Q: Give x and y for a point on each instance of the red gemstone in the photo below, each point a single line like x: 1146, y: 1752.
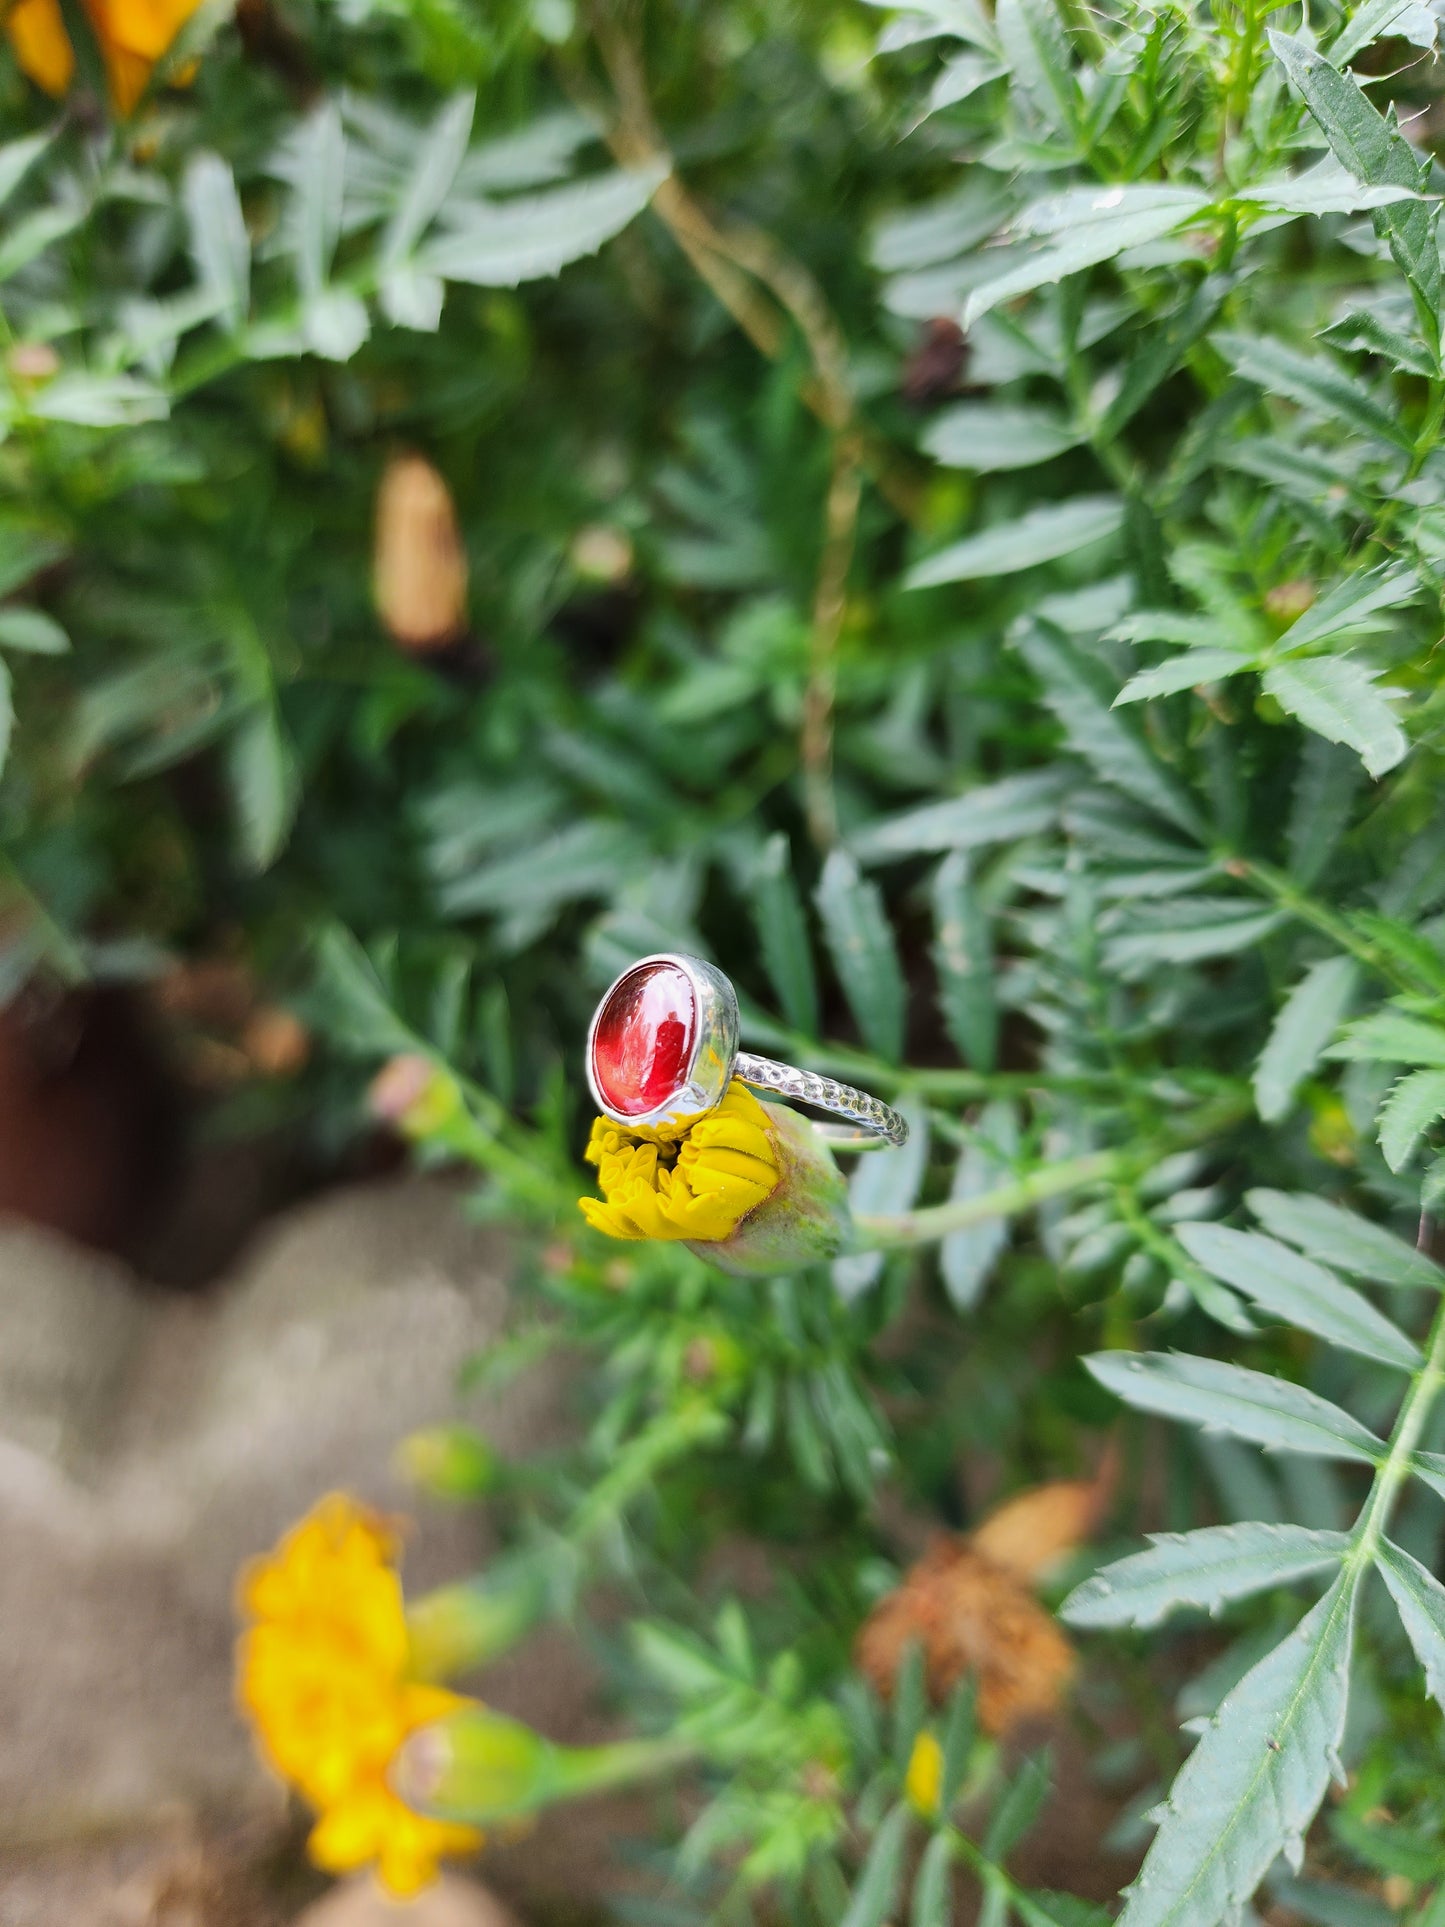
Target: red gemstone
x: 642, y: 1045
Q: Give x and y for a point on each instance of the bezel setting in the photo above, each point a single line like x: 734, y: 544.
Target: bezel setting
x: 709, y: 1066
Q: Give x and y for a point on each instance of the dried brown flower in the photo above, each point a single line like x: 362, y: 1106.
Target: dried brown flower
x: 420, y: 564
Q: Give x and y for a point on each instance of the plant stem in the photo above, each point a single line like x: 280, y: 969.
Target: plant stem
x: 1273, y: 883
x: 1006, y: 1201
x: 1394, y: 1468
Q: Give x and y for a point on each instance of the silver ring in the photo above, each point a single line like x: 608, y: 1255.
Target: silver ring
x: 662, y: 1049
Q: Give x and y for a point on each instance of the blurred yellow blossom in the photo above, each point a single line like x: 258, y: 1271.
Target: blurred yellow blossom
x: 923, y: 1783
x: 132, y: 35
x: 324, y: 1675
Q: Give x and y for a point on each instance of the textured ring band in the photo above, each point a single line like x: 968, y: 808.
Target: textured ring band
x: 663, y: 1048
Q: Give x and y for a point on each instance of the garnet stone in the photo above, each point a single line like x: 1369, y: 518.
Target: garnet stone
x: 642, y: 1046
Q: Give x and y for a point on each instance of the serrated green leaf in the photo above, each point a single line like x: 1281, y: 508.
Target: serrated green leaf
x: 1373, y: 151
x: 961, y: 77
x: 220, y: 246
x: 438, y: 157
x: 1342, y: 1239
x: 1157, y: 349
x: 1111, y: 221
x: 1420, y: 1600
x: 966, y: 1258
x: 1195, y: 666
x: 1227, y: 1398
x: 1304, y: 1025
x: 1032, y: 37
x: 532, y: 236
x: 1041, y: 535
x: 1361, y: 330
x: 885, y: 1183
x: 1315, y: 382
x: 1253, y: 1783
x: 1002, y: 812
x: 1338, y: 699
x: 864, y: 952
x: 877, y: 1887
x: 359, y: 1013
x: 986, y: 436
x: 1378, y: 18
x: 1430, y: 1467
x: 1299, y: 1291
x: 1351, y: 608
x: 335, y: 323
x: 1326, y: 188
x: 1080, y: 692
x: 963, y: 957
x: 1390, y: 1037
x: 1200, y: 1570
x: 27, y: 239
x: 1193, y: 931
x: 1414, y: 1104
x: 783, y: 935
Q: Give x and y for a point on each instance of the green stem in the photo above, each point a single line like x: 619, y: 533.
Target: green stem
x: 1394, y: 1468
x: 936, y: 1221
x: 1275, y: 884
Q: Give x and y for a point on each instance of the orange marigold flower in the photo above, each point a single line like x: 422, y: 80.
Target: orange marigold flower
x: 324, y: 1675
x: 132, y: 34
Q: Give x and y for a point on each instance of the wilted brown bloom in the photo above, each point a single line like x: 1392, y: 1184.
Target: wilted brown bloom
x: 970, y: 1616
x: 966, y: 1603
x: 420, y: 564
x: 275, y: 1041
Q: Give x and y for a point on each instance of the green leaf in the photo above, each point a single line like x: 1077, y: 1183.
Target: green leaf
x: 1042, y: 1909
x: 783, y: 935
x: 98, y: 401
x: 1351, y: 608
x: 1040, y: 535
x: 430, y: 180
x: 1109, y: 221
x: 1430, y: 1466
x: 1415, y: 1103
x: 877, y: 1888
x: 986, y: 436
x: 1080, y: 692
x: 335, y: 324
x: 1304, y: 1025
x: 1363, y: 331
x: 531, y: 236
x: 1299, y: 1291
x: 264, y: 785
x: 18, y: 157
x: 1420, y: 1600
x: 30, y: 237
x: 1195, y: 666
x: 1337, y: 697
x: 885, y: 1183
x: 1200, y: 1570
x: 1253, y: 1783
x: 318, y: 180
x: 1405, y: 19
x: 961, y: 77
x: 1326, y: 188
x: 1033, y: 42
x: 1374, y: 151
x: 359, y: 1012
x: 861, y: 943
x: 1390, y: 1037
x: 967, y: 1257
x: 220, y: 246
x: 1341, y: 1239
x: 963, y: 957
x: 1194, y: 930
x: 1227, y: 1398
x: 32, y: 631
x: 932, y: 1894
x: 412, y: 300
x: 1002, y: 812
x: 959, y: 1734
x: 1157, y: 349
x: 1316, y: 383
x: 1019, y: 1807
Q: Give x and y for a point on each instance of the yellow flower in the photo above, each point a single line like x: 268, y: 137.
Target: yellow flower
x: 698, y: 1184
x: 324, y: 1675
x: 132, y: 35
x: 923, y: 1782
x: 750, y: 1186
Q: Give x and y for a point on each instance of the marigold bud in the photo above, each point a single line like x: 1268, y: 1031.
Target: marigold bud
x: 751, y: 1187
x: 413, y: 1094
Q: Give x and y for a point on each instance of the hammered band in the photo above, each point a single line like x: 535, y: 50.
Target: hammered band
x: 873, y: 1122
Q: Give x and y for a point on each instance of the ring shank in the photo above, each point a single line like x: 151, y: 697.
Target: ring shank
x: 873, y: 1123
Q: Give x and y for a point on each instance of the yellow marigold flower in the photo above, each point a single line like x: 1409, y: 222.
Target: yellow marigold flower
x: 923, y: 1783
x: 324, y: 1675
x: 751, y: 1186
x: 132, y: 34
